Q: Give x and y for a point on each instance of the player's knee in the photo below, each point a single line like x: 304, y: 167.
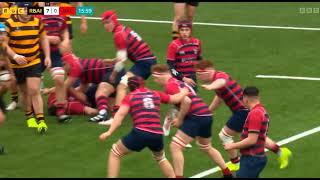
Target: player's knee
x: 123, y: 81
x: 204, y: 147
x: 177, y: 143
x: 116, y: 151
x: 33, y: 91
x: 225, y: 138
x: 57, y: 74
x: 161, y: 157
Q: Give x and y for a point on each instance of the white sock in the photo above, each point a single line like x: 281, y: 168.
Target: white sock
x: 102, y: 111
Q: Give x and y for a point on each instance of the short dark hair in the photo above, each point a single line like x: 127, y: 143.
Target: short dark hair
x: 251, y: 91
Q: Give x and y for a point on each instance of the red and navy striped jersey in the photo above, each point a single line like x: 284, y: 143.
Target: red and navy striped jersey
x: 256, y: 122
x: 232, y: 93
x: 145, y: 109
x: 89, y: 70
x: 198, y: 107
x: 54, y: 26
x: 185, y: 55
x: 126, y: 39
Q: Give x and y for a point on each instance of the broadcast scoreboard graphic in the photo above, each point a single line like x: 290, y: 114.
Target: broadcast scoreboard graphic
x: 51, y: 10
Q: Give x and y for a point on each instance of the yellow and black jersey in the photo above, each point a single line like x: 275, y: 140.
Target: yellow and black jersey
x: 24, y: 39
x: 4, y: 17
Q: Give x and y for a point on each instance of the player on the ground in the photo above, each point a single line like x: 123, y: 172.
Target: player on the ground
x: 182, y: 9
x: 183, y: 53
x: 253, y: 137
x: 229, y: 91
x: 96, y: 71
x: 194, y: 121
x: 57, y: 34
x: 72, y: 107
x: 143, y: 105
x: 129, y: 45
x: 25, y: 36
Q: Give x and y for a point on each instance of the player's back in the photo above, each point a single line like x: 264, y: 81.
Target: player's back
x: 232, y: 93
x: 198, y: 106
x: 145, y: 110
x: 53, y: 24
x: 137, y: 49
x: 93, y: 70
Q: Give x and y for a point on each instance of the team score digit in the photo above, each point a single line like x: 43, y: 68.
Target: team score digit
x: 148, y: 103
x: 134, y: 34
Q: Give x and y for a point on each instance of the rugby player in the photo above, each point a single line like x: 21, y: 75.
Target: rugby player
x: 143, y: 105
x: 194, y: 121
x: 229, y: 91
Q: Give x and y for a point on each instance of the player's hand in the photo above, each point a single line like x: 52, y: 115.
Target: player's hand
x: 47, y: 62
x: 104, y: 136
x: 228, y: 146
x: 189, y: 81
x: 83, y: 27
x: 176, y: 122
x: 185, y: 91
x: 21, y: 60
x: 54, y: 39
x: 206, y: 87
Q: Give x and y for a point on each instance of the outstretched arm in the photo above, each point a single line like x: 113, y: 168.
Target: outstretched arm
x: 118, y: 118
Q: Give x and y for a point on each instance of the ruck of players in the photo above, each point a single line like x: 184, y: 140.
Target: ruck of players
x: 106, y: 90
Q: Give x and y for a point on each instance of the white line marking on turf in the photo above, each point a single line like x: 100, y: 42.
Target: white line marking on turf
x: 280, y: 143
x: 288, y: 77
x: 211, y: 24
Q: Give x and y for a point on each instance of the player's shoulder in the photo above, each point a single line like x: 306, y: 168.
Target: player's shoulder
x: 221, y: 74
x: 195, y: 40
x: 175, y: 43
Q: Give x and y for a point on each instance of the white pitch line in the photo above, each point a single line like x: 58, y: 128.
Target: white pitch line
x: 280, y: 143
x: 288, y: 77
x: 211, y: 24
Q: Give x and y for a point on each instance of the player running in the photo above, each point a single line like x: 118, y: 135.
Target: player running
x: 143, y: 105
x: 91, y: 71
x: 194, y: 121
x: 129, y: 45
x: 229, y: 91
x: 253, y: 137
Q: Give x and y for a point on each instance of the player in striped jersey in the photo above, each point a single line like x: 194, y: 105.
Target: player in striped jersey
x: 129, y: 45
x: 143, y: 105
x: 26, y: 34
x: 194, y: 121
x: 253, y: 137
x: 12, y: 82
x: 57, y: 34
x: 229, y: 91
x: 183, y: 53
x: 95, y: 71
